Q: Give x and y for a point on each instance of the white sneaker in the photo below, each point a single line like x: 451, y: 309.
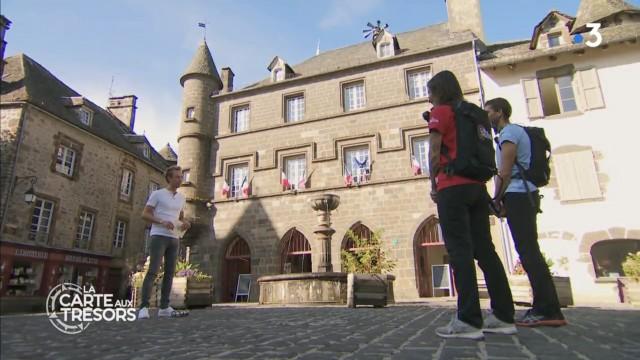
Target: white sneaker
x: 168, y: 312
x: 493, y: 325
x: 143, y: 313
x: 459, y: 329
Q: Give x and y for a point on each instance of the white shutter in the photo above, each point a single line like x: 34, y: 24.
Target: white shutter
x: 586, y: 175
x: 576, y: 175
x: 566, y: 176
x: 532, y: 98
x: 590, y: 88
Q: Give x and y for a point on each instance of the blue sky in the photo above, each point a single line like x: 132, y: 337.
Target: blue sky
x: 145, y: 45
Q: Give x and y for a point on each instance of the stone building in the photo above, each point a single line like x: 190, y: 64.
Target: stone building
x: 346, y: 121
x: 584, y: 99
x: 91, y: 174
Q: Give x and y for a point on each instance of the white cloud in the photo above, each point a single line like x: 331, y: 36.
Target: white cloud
x: 344, y: 12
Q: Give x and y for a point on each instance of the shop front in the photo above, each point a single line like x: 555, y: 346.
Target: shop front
x: 28, y: 273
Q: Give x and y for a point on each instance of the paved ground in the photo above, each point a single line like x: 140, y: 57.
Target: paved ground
x: 252, y: 332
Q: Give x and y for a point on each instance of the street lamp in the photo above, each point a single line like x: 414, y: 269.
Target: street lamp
x: 29, y: 195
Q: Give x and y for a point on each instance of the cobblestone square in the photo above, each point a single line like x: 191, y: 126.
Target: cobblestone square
x: 253, y: 332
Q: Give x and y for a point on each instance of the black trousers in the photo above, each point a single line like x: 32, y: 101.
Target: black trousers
x: 464, y: 219
x: 521, y: 217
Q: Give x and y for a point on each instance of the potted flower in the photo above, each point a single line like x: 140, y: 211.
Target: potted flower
x: 367, y: 265
x: 191, y: 287
x: 521, y: 287
x: 629, y: 285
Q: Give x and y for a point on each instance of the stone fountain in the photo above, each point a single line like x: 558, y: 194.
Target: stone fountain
x: 322, y: 287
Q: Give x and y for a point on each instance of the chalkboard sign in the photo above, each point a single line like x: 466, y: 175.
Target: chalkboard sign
x: 440, y: 277
x: 244, y: 286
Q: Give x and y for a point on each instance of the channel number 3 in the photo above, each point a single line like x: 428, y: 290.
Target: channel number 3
x: 595, y: 27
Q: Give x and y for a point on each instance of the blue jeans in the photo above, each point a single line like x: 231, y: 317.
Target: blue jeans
x: 161, y: 246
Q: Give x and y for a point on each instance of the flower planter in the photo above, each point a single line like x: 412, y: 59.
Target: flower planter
x: 629, y: 290
x: 191, y: 292
x: 369, y: 289
x: 153, y: 299
x: 523, y: 294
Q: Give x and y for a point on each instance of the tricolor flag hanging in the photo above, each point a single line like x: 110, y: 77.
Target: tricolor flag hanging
x: 225, y: 189
x: 348, y: 178
x: 363, y: 169
x: 415, y: 165
x: 302, y: 183
x: 284, y: 181
x: 245, y: 187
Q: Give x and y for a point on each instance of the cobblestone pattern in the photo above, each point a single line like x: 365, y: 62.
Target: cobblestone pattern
x: 397, y: 332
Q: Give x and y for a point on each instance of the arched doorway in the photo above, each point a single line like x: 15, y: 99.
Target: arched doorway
x: 295, y: 253
x: 608, y: 256
x: 360, y: 230
x: 237, y: 260
x: 429, y: 250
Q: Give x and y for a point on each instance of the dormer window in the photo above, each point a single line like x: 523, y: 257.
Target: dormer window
x: 146, y: 151
x: 278, y: 75
x: 85, y: 116
x: 554, y: 40
x: 385, y: 50
x: 279, y: 69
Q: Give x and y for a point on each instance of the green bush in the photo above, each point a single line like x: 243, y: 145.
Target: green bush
x: 369, y: 256
x: 631, y: 266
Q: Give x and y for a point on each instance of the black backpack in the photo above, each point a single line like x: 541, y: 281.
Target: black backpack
x: 539, y: 170
x: 475, y: 155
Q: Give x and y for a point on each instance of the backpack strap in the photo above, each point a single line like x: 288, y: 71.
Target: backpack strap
x: 521, y: 171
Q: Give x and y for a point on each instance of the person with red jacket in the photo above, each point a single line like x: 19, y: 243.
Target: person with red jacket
x: 463, y: 209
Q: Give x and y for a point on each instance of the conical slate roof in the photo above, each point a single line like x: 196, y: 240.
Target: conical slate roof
x: 591, y: 11
x: 168, y: 154
x: 203, y: 64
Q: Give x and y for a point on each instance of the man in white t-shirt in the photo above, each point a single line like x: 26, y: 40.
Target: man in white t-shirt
x: 164, y: 210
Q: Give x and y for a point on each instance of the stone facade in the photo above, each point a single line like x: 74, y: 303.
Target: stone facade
x: 394, y: 200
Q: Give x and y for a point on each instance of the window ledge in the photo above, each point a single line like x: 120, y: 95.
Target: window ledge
x: 606, y: 280
x: 191, y: 120
x: 565, y: 115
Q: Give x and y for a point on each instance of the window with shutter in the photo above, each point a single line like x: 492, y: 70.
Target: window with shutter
x: 532, y: 97
x: 576, y: 175
x: 591, y: 91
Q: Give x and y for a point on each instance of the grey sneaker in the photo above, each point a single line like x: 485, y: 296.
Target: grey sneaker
x: 459, y: 329
x: 493, y: 325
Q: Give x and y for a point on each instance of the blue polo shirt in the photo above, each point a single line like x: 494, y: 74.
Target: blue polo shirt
x: 518, y: 136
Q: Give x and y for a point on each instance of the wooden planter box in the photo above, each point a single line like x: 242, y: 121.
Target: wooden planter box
x: 369, y: 289
x: 153, y: 299
x: 191, y: 293
x: 523, y: 295
x: 629, y: 290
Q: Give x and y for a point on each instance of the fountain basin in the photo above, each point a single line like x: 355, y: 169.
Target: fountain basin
x: 305, y: 288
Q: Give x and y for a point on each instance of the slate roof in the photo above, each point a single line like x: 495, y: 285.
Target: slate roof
x: 591, y: 11
x: 202, y: 63
x: 427, y: 38
x: 519, y: 51
x: 26, y: 80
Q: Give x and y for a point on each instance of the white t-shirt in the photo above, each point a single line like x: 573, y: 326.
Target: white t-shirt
x: 167, y: 207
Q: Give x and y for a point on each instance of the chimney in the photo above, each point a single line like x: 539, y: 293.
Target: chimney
x: 4, y: 25
x: 465, y: 15
x: 227, y: 80
x: 124, y: 108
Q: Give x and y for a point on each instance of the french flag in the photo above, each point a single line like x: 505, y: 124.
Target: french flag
x: 415, y: 165
x: 225, y: 189
x: 284, y: 181
x: 348, y: 178
x: 302, y: 184
x: 245, y: 187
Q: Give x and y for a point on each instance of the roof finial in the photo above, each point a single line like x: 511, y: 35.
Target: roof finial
x: 318, y: 48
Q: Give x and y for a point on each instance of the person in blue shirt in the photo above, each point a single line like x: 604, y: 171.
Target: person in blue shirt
x: 519, y: 200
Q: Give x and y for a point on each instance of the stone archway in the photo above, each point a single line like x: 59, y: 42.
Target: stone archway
x: 295, y: 253
x: 608, y: 255
x: 429, y: 250
x: 360, y: 230
x: 237, y: 260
